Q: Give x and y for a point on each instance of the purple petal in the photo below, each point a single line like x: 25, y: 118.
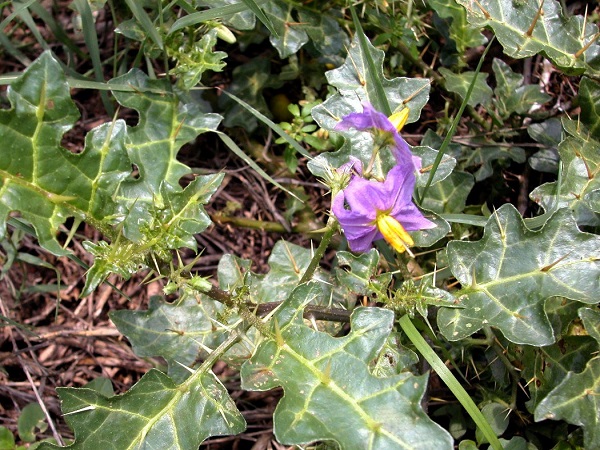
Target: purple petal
x: 412, y: 219
x: 403, y: 154
x: 366, y: 197
x: 399, y: 185
x: 359, y: 229
x: 369, y: 118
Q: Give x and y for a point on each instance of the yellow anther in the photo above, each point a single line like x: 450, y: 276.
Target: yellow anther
x: 394, y: 233
x: 399, y: 118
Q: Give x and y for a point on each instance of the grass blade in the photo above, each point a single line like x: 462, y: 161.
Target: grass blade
x: 276, y: 128
x: 259, y: 13
x: 210, y: 14
x: 91, y: 41
x: 144, y: 19
x: 454, y: 126
x: 239, y: 152
x: 380, y: 101
x: 453, y: 384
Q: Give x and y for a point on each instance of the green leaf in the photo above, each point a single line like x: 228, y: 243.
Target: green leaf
x: 462, y: 33
x: 591, y: 321
x: 232, y: 12
x: 329, y: 393
x: 524, y: 28
x: 194, y: 57
x: 428, y: 156
x: 287, y: 262
x: 510, y: 95
x: 486, y: 153
x: 548, y: 133
x: 497, y: 416
x: 509, y: 274
x: 589, y: 101
x: 550, y: 364
x: 180, y: 332
x: 154, y: 413
x: 351, y: 81
x: 7, y: 440
x: 39, y: 178
x: 253, y: 6
x: 459, y: 84
x: 31, y: 421
x: 576, y: 400
x: 289, y: 35
x: 324, y: 31
x: 580, y: 184
x: 449, y: 195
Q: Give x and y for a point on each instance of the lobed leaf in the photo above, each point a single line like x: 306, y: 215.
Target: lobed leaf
x: 39, y: 178
x: 459, y: 84
x: 290, y: 35
x: 155, y: 413
x: 329, y: 393
x: 526, y: 28
x: 509, y: 274
x: 180, y: 332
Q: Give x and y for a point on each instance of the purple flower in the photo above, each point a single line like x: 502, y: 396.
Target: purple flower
x: 368, y: 210
x: 371, y: 119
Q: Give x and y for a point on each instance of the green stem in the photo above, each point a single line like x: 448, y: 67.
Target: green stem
x: 316, y: 259
x: 444, y: 373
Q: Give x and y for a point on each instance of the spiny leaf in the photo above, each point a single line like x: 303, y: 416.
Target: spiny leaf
x: 180, y: 332
x: 526, y: 28
x: 509, y: 274
x: 329, y: 393
x: 43, y: 181
x: 154, y: 413
x: 351, y: 81
x: 354, y: 87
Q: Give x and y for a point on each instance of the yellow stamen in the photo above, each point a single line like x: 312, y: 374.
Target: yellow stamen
x: 395, y: 234
x: 399, y: 118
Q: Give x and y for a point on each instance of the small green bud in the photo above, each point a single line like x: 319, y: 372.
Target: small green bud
x: 199, y: 283
x: 170, y: 288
